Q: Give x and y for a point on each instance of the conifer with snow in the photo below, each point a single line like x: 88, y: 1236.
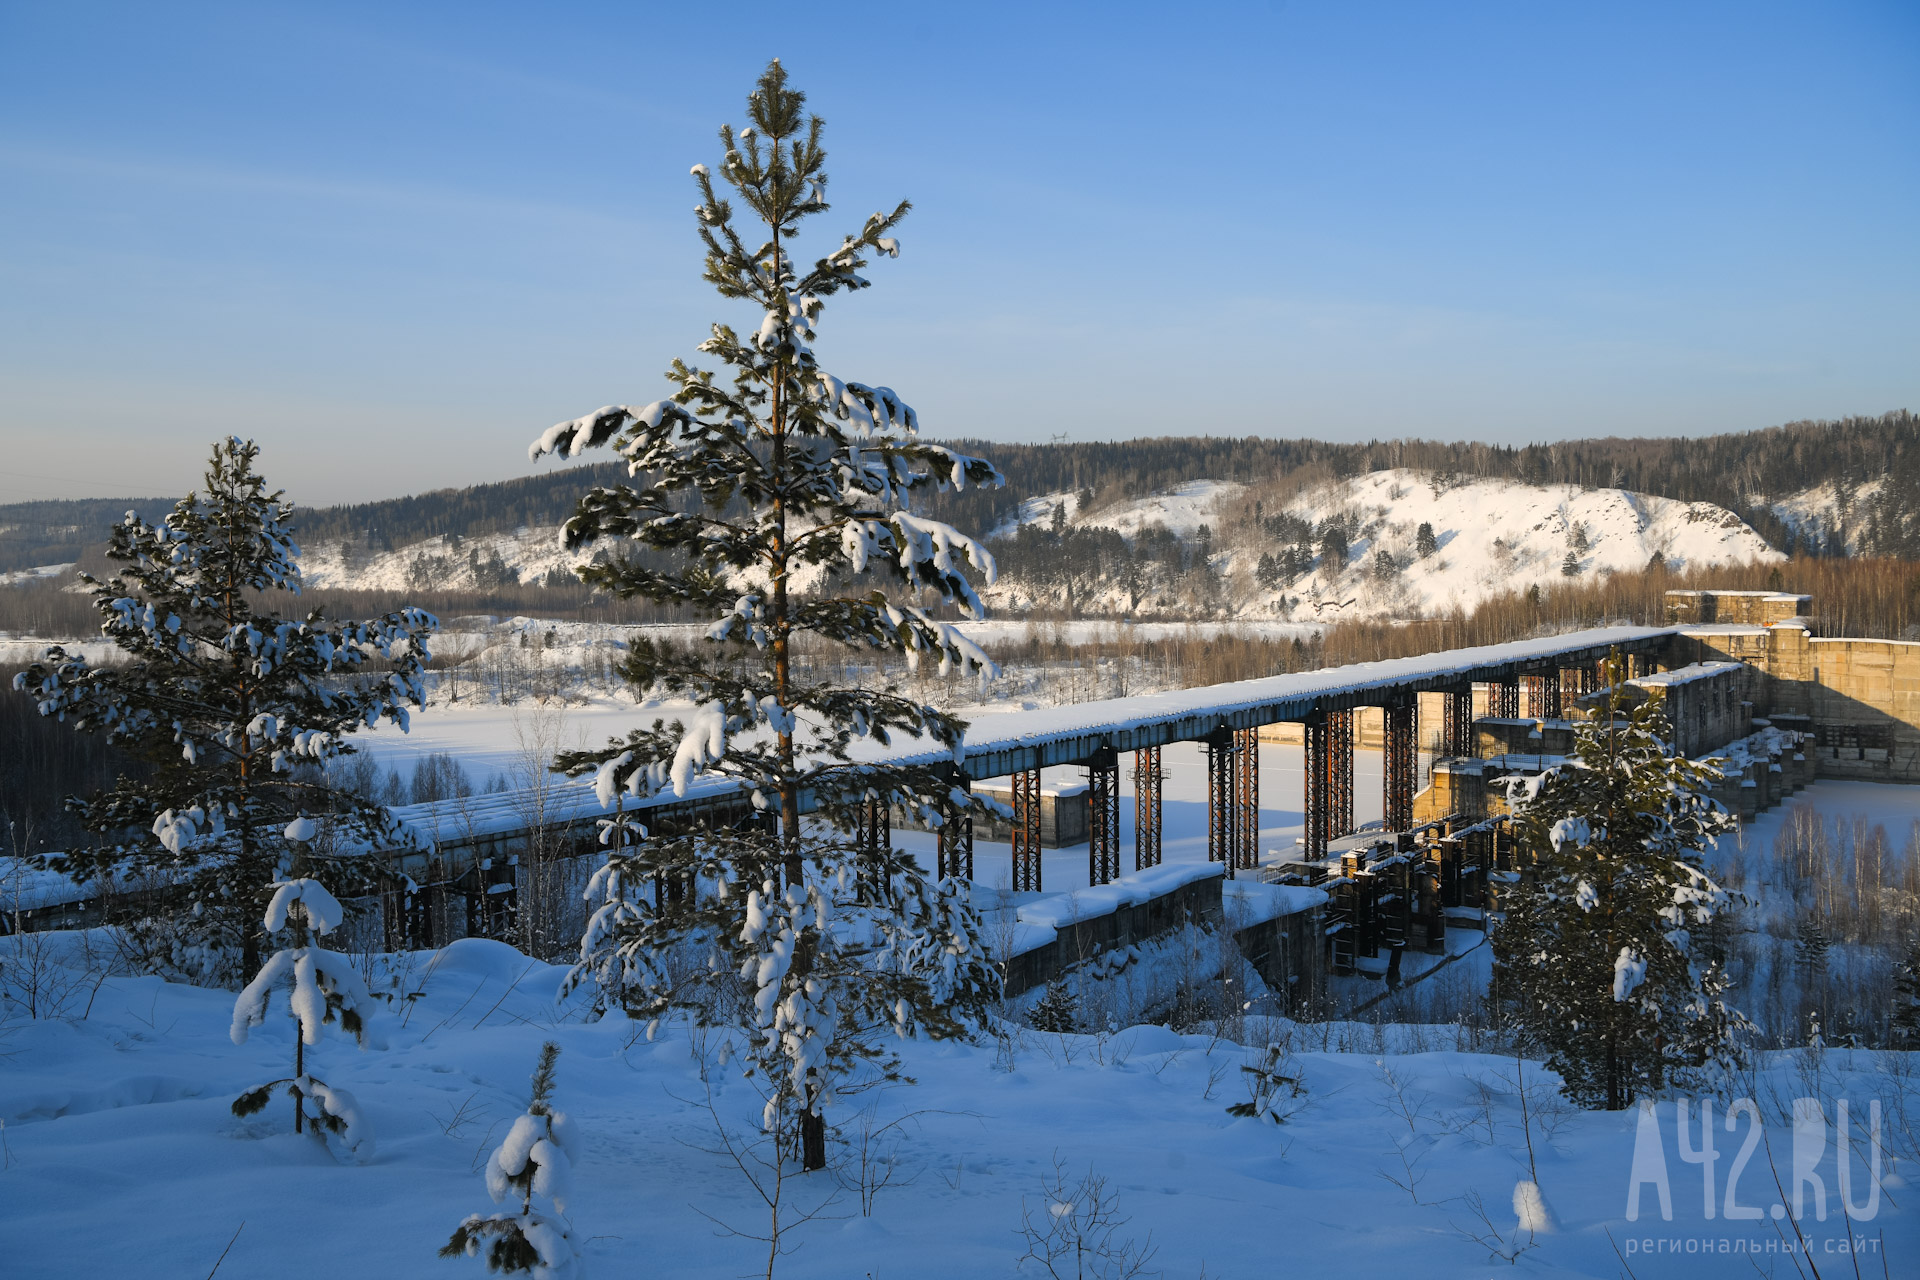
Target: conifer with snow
x: 1906, y: 999
x: 1596, y: 958
x: 766, y: 495
x: 322, y: 989
x: 237, y: 709
x: 535, y: 1161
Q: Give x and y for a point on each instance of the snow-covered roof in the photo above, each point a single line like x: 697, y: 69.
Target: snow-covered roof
x: 1686, y: 674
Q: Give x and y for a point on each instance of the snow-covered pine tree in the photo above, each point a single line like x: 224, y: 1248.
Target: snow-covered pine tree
x: 1596, y: 958
x: 1906, y: 999
x: 768, y: 493
x: 238, y: 710
x: 536, y: 1159
x: 322, y: 988
x: 1055, y: 1010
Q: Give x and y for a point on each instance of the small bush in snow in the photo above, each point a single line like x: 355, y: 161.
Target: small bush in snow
x: 1055, y: 1010
x: 535, y: 1160
x: 322, y: 988
x: 1271, y: 1091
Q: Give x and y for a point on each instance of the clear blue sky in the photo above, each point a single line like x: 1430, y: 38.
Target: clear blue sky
x: 393, y: 242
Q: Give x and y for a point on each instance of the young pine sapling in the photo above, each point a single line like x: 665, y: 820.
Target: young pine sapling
x: 322, y: 988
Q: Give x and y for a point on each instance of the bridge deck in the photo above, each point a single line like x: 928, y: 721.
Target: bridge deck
x: 999, y: 744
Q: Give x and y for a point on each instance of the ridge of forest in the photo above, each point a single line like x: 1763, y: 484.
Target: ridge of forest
x: 1847, y: 486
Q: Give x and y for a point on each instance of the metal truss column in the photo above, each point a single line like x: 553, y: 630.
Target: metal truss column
x: 1103, y: 817
x: 1247, y: 798
x: 1543, y: 694
x: 1318, y: 787
x: 1402, y: 751
x: 956, y: 839
x: 1225, y: 830
x: 1458, y: 726
x: 1506, y: 699
x: 871, y: 841
x: 1147, y: 777
x: 1026, y: 830
x: 1339, y: 774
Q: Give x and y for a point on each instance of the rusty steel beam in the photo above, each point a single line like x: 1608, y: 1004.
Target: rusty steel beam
x: 1147, y: 779
x: 1402, y: 751
x: 1026, y: 830
x: 1506, y: 699
x: 1339, y: 774
x: 1543, y: 694
x: 1103, y: 817
x: 1458, y: 727
x: 1247, y: 797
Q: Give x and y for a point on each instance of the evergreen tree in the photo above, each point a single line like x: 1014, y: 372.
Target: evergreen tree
x: 1424, y: 542
x: 1384, y: 569
x: 239, y: 710
x: 776, y: 488
x: 536, y: 1159
x: 1055, y: 1010
x: 322, y: 988
x: 1596, y: 958
x: 1333, y: 546
x: 1906, y: 999
x: 1570, y: 567
x: 1810, y: 946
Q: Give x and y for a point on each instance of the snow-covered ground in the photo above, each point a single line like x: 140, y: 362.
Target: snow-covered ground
x: 120, y: 1155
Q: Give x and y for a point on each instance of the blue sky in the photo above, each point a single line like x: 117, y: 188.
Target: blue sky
x: 394, y: 242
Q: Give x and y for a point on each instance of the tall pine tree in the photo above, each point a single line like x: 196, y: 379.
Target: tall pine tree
x: 772, y: 491
x: 239, y: 709
x: 1596, y: 958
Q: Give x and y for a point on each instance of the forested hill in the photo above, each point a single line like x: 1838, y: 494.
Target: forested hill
x: 1832, y: 486
x: 1746, y: 472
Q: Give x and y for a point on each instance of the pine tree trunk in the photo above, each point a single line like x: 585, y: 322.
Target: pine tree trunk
x: 299, y: 1069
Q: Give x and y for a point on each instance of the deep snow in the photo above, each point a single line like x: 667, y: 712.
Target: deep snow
x: 121, y: 1157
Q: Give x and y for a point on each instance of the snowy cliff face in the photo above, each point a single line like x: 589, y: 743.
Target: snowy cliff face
x: 1492, y: 537
x: 1489, y: 537
x: 527, y: 555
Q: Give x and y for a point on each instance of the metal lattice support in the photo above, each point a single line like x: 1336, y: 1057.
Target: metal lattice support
x: 1103, y: 817
x: 1247, y: 797
x: 1220, y: 798
x: 1339, y: 774
x: 1026, y: 830
x: 1147, y: 779
x: 956, y: 840
x: 874, y: 837
x: 1402, y: 750
x: 1588, y: 677
x: 1459, y: 722
x: 1543, y: 695
x: 1506, y: 699
x: 1319, y: 788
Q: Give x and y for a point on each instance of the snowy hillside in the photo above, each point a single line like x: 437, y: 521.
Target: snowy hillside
x: 1827, y: 516
x: 1491, y: 537
x: 1181, y: 510
x: 443, y: 563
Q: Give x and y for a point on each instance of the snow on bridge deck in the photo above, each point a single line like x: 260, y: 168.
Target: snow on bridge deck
x: 1000, y: 744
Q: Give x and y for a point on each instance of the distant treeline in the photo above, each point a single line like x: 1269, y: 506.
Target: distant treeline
x: 1741, y: 471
